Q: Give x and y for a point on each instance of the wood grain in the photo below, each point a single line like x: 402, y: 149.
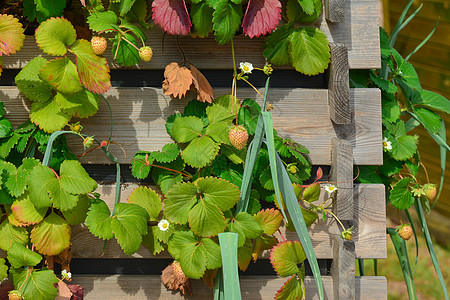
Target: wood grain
x: 370, y: 218
x: 359, y: 33
x: 335, y: 10
x: 343, y: 269
x: 127, y: 287
x: 338, y: 85
x: 299, y: 114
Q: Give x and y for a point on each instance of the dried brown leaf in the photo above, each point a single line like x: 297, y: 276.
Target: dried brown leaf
x: 209, y: 276
x: 64, y: 292
x: 178, y: 80
x: 171, y: 281
x: 204, y: 89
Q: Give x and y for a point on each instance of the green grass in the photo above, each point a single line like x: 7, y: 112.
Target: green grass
x: 425, y: 278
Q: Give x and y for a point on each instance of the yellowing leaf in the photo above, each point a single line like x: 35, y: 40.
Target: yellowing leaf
x: 53, y: 35
x: 93, y: 70
x: 269, y: 220
x: 61, y: 74
x: 11, y: 35
x: 52, y: 235
x: 10, y: 234
x: 48, y: 116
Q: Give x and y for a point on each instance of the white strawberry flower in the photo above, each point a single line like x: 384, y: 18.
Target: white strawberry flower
x: 330, y: 188
x: 387, y: 144
x: 65, y: 274
x: 246, y: 67
x: 163, y: 225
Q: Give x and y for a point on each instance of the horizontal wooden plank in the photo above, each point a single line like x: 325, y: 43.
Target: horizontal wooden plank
x: 360, y: 37
x: 126, y: 287
x: 370, y: 234
x: 299, y: 114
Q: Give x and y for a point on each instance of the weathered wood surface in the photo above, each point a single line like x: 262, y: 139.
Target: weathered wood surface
x: 370, y: 218
x: 338, y: 85
x: 358, y: 32
x: 299, y: 114
x: 127, y: 287
x: 343, y: 269
x: 335, y: 10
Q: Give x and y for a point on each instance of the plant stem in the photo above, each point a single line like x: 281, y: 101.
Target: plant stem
x: 334, y: 216
x: 426, y: 172
x: 182, y: 52
x: 172, y: 170
x: 248, y: 82
x: 234, y: 86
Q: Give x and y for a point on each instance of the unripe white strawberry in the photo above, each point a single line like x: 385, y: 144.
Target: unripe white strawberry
x: 146, y: 53
x: 238, y: 136
x: 15, y: 295
x: 98, y: 45
x: 405, y: 231
x: 430, y: 190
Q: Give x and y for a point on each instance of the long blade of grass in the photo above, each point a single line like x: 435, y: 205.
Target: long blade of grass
x: 362, y: 271
x: 411, y: 124
x: 399, y: 23
x: 49, y: 151
x: 423, y: 42
x: 415, y: 238
x: 430, y: 246
x: 218, y: 286
x: 375, y: 266
x: 229, y: 248
x: 443, y: 150
x: 394, y: 37
x: 437, y: 137
x: 402, y: 254
x: 296, y: 215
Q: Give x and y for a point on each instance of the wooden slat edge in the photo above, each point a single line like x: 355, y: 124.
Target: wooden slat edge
x: 335, y: 10
x: 140, y: 287
x: 338, y: 85
x: 370, y: 239
x: 360, y: 37
x: 299, y: 114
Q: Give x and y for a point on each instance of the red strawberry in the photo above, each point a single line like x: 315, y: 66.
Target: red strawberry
x: 430, y: 191
x: 98, y: 44
x: 146, y: 53
x: 405, y: 231
x: 178, y: 272
x: 15, y: 295
x: 238, y: 136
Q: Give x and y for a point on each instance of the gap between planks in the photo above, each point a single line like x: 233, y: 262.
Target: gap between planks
x: 359, y: 33
x: 140, y: 287
x: 370, y: 236
x: 299, y: 114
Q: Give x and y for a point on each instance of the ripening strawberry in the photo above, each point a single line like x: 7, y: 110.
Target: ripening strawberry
x: 98, y: 45
x: 15, y: 295
x: 238, y: 136
x: 430, y: 191
x: 178, y: 272
x: 146, y: 53
x: 405, y: 231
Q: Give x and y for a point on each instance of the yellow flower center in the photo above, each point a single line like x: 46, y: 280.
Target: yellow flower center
x: 385, y: 144
x: 165, y: 225
x: 246, y: 69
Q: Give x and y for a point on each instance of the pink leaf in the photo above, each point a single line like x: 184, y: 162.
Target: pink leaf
x: 172, y: 16
x: 261, y: 17
x: 83, y: 2
x: 319, y: 173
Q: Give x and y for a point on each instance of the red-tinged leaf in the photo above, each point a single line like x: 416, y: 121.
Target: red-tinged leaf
x: 77, y: 291
x: 11, y: 35
x: 204, y: 90
x: 319, y: 173
x: 92, y: 69
x: 286, y: 256
x: 269, y: 219
x: 1, y: 65
x: 291, y: 289
x: 261, y: 17
x: 172, y: 16
x: 52, y: 235
x: 265, y: 242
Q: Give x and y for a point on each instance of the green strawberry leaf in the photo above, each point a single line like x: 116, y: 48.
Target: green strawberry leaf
x: 29, y: 83
x: 246, y: 227
x: 277, y: 45
x: 166, y: 181
x: 7, y: 144
x: 390, y: 110
x: 167, y: 154
x: 84, y: 104
x: 179, y: 201
x: 221, y: 111
x: 10, y: 234
x: 227, y: 20
x: 53, y: 35
x: 311, y: 193
x: 201, y: 14
x: 266, y: 179
x: 48, y: 116
x: 400, y: 195
x: 264, y: 242
x: 61, y: 74
x: 74, y: 179
x: 219, y: 192
x: 93, y: 70
x: 431, y: 100
x: 212, y: 253
x: 61, y: 199
x: 218, y: 132
x: 163, y: 235
x: 147, y: 199
x: 140, y: 168
x: 309, y: 50
x: 309, y: 216
x: 129, y: 224
x: 127, y: 55
x: 286, y: 256
x: 102, y: 20
x: 383, y: 84
x: 206, y: 219
x: 185, y: 129
x: 151, y: 242
x: 52, y: 235
x: 169, y: 123
x: 248, y: 115
x: 3, y: 269
x: 25, y: 212
x: 245, y: 255
x: 292, y: 289
x: 37, y: 285
x: 403, y: 147
x: 20, y: 256
x: 200, y: 152
x: 430, y: 120
x: 98, y: 220
x: 11, y: 35
x: 269, y: 220
x: 408, y: 75
x: 295, y: 12
x: 78, y: 214
x: 17, y: 181
x: 49, y: 8
x: 5, y: 128
x: 39, y: 178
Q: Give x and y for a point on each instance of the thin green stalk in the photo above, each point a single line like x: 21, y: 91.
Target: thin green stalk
x: 362, y: 271
x: 415, y: 238
x: 423, y: 42
x: 111, y: 120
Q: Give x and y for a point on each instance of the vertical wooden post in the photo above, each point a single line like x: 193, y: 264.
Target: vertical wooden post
x: 343, y: 266
x: 338, y: 85
x: 335, y: 10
